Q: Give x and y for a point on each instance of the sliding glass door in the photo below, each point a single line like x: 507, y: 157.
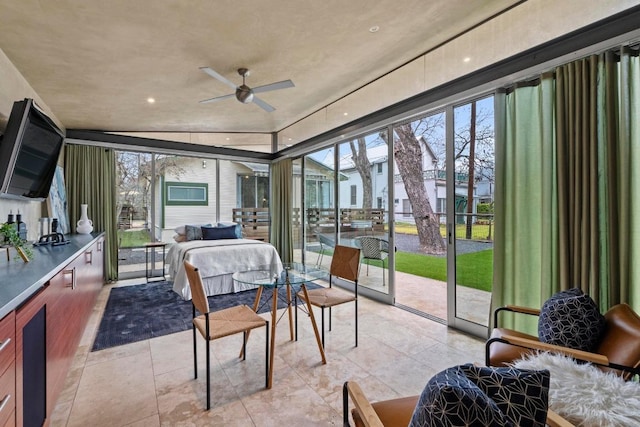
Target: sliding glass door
x: 471, y: 222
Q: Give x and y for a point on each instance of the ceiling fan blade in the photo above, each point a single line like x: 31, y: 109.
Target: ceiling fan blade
x: 266, y: 107
x: 215, y: 75
x: 273, y: 86
x: 217, y: 98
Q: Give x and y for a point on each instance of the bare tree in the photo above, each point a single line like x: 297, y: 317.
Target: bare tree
x: 134, y: 178
x: 363, y: 166
x: 471, y: 174
x: 408, y: 156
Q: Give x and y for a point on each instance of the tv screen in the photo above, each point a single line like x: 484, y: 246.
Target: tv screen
x: 29, y: 152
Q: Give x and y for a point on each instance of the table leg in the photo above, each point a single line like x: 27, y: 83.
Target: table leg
x: 313, y: 323
x: 256, y: 304
x: 274, y: 309
x: 290, y: 310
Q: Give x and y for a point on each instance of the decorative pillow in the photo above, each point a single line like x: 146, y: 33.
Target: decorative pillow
x: 180, y: 230
x: 216, y: 233
x: 234, y: 224
x: 451, y: 399
x: 470, y: 395
x: 193, y: 232
x: 522, y: 395
x: 571, y: 319
x: 180, y: 237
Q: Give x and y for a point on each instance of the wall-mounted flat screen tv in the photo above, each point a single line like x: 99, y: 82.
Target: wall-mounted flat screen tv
x: 29, y: 151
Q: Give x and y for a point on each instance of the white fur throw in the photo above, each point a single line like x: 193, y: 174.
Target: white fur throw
x: 585, y: 395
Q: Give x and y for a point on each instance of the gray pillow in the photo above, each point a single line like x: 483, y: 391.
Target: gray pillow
x: 194, y: 232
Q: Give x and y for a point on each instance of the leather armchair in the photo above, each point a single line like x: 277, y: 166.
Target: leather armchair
x: 618, y: 351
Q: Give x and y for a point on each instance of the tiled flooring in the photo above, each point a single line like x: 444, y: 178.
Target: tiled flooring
x: 150, y: 383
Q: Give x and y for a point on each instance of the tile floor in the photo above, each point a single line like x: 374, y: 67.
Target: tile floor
x: 150, y: 383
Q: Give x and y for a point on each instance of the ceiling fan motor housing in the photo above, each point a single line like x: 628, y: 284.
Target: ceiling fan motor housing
x: 244, y: 94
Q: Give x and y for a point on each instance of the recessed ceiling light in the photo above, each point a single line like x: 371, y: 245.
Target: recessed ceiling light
x: 346, y: 114
x: 151, y: 100
x: 467, y: 59
x: 228, y: 139
x: 374, y: 29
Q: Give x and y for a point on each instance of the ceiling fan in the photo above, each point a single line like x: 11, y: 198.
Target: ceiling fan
x: 244, y: 93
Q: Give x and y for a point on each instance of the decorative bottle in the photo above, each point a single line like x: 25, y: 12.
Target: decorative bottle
x: 85, y: 225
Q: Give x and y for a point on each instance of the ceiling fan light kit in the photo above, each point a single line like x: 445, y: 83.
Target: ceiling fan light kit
x: 244, y: 93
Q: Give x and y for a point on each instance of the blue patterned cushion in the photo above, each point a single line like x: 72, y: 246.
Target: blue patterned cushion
x: 467, y: 395
x: 522, y: 395
x: 217, y: 233
x: 571, y: 319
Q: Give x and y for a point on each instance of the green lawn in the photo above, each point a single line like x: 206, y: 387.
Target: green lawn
x: 474, y: 270
x: 478, y: 231
x: 133, y: 238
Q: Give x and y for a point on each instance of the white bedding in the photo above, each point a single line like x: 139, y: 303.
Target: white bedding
x: 217, y: 260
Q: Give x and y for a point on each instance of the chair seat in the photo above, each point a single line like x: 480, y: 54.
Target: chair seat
x: 392, y: 413
x: 327, y: 297
x: 229, y: 321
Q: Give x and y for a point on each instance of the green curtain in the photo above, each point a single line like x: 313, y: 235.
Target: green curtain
x: 577, y: 181
x: 620, y: 130
x: 281, y: 207
x: 90, y: 174
x: 567, y: 180
x: 525, y: 199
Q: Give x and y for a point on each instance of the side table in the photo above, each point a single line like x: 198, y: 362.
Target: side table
x: 150, y: 253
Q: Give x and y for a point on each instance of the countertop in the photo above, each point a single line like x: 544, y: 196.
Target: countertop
x: 20, y: 280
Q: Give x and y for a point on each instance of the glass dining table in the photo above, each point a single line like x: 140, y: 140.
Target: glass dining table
x: 294, y: 276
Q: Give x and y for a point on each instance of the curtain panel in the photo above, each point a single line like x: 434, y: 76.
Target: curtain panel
x: 567, y: 170
x: 90, y: 179
x: 281, y: 207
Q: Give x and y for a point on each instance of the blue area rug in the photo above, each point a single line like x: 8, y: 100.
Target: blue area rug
x: 139, y: 312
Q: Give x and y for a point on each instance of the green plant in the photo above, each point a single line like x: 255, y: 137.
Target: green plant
x: 12, y: 238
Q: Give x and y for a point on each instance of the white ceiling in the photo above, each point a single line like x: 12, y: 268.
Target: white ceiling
x: 95, y: 62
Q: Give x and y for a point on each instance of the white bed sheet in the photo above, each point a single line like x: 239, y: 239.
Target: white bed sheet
x: 217, y: 260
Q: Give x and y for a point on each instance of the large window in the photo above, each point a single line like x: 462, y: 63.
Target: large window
x: 254, y: 191
x: 186, y: 194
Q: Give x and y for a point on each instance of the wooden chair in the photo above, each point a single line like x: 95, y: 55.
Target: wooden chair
x: 618, y: 350
x: 217, y: 324
x: 396, y: 412
x: 345, y: 265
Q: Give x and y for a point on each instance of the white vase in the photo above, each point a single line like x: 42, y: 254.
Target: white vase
x: 84, y: 226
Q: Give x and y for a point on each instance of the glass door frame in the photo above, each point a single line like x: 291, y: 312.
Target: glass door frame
x: 452, y: 319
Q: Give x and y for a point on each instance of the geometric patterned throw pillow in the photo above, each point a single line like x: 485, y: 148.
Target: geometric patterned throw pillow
x: 571, y: 319
x: 451, y: 399
x: 522, y: 395
x: 469, y: 395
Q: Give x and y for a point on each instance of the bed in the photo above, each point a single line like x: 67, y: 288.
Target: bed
x: 217, y: 260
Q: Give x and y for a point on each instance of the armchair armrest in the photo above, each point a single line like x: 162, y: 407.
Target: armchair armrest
x: 555, y: 420
x: 362, y: 404
x: 514, y: 309
x: 586, y: 356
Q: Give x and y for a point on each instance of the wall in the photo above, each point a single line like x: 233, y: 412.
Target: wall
x: 13, y: 87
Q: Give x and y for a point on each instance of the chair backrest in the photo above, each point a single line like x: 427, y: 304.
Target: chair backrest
x: 371, y: 247
x: 345, y: 262
x: 621, y: 339
x: 325, y: 240
x: 198, y: 295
